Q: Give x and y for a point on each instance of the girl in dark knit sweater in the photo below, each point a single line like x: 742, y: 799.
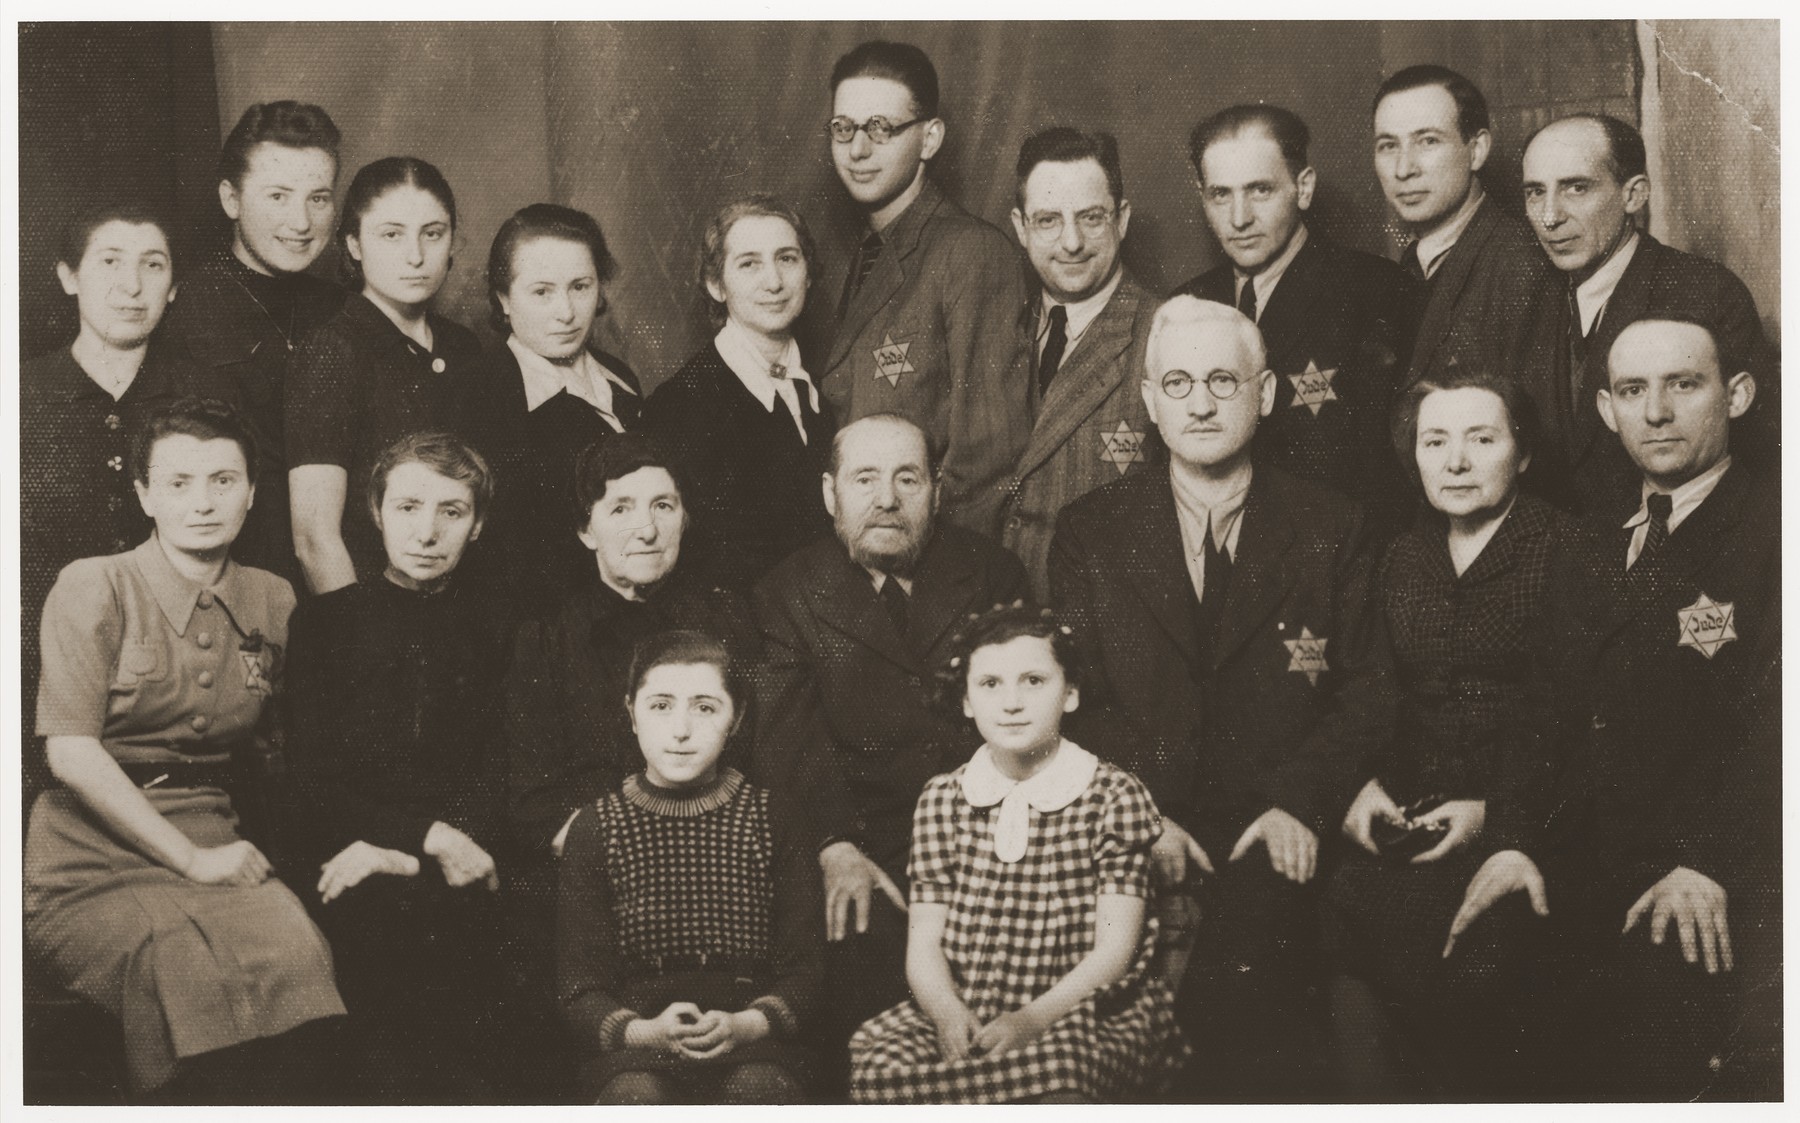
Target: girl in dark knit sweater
x: 688, y: 923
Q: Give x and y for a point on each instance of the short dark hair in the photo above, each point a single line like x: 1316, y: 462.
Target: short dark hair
x: 712, y: 240
x: 1283, y: 126
x: 685, y: 646
x: 1521, y: 411
x: 80, y: 230
x: 371, y: 183
x: 897, y: 62
x: 616, y: 456
x: 1625, y: 155
x: 541, y: 220
x: 836, y: 459
x: 1063, y: 145
x: 204, y: 419
x: 444, y: 453
x: 291, y: 124
x: 1471, y: 107
x: 1000, y: 624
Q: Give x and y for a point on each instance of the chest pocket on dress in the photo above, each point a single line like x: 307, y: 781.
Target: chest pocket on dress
x: 140, y: 661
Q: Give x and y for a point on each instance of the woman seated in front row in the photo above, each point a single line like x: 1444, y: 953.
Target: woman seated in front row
x: 1463, y: 593
x: 568, y: 738
x: 139, y: 893
x: 394, y: 737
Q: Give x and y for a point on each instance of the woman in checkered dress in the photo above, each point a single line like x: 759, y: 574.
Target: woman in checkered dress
x: 1029, y: 934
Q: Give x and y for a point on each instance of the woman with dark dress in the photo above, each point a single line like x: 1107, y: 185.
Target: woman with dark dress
x: 79, y: 406
x: 689, y: 932
x: 535, y: 403
x: 568, y: 739
x: 1464, y: 594
x: 383, y: 367
x: 394, y: 737
x: 140, y: 894
x: 743, y: 415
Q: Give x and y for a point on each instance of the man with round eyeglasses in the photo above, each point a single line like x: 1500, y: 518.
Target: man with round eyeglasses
x: 1234, y: 667
x: 927, y: 303
x: 1086, y: 327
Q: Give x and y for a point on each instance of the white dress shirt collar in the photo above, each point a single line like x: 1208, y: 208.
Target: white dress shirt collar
x: 1683, y: 501
x: 1195, y: 514
x: 740, y: 354
x: 1081, y: 312
x: 1269, y: 276
x: 1433, y: 246
x: 1592, y: 294
x: 586, y: 378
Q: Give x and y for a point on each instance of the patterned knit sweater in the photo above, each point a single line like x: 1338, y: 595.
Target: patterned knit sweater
x: 655, y: 883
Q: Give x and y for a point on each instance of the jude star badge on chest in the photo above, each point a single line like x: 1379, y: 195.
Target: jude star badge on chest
x: 1312, y: 387
x: 1706, y: 625
x: 890, y: 359
x: 1306, y: 655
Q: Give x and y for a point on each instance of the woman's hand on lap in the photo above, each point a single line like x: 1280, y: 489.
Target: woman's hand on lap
x: 1007, y: 1033
x: 236, y: 863
x: 956, y: 1029
x: 1462, y: 820
x: 359, y: 861
x: 665, y: 1031
x: 1371, y: 803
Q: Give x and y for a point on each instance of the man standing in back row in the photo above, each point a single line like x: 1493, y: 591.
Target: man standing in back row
x: 930, y: 302
x: 1338, y: 323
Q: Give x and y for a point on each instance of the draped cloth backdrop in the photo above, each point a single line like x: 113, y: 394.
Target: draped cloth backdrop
x: 651, y: 126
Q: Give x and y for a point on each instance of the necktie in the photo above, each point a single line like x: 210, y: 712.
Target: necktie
x: 1658, y: 532
x: 1214, y: 580
x: 1054, y: 346
x: 867, y: 254
x: 1411, y: 262
x: 894, y: 599
x: 1577, y: 352
x: 1247, y: 299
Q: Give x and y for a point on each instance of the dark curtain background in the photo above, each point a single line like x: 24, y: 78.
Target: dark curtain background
x: 652, y: 126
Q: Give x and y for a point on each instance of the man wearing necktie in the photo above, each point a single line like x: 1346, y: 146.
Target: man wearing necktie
x: 1338, y: 323
x: 856, y: 626
x: 1655, y: 851
x: 927, y: 305
x: 1586, y: 190
x: 1086, y: 327
x: 1483, y: 276
x: 1234, y: 666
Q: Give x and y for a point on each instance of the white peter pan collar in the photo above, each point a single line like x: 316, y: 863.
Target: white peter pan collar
x: 1067, y: 775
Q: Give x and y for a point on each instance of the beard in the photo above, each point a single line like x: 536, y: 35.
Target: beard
x: 900, y: 559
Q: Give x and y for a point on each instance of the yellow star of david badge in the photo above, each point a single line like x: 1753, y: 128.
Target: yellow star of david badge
x: 890, y: 359
x: 1307, y: 655
x: 1312, y: 387
x: 1706, y: 625
x: 255, y: 680
x: 1121, y: 447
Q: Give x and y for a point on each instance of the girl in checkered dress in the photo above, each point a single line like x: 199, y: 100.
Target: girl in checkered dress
x: 1029, y: 935
x: 689, y: 922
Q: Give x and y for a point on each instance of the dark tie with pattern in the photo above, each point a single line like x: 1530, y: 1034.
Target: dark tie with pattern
x: 1214, y: 581
x: 867, y: 254
x: 1247, y: 299
x: 894, y: 599
x: 1660, y: 506
x: 1054, y: 346
x: 1577, y: 352
x: 1410, y: 262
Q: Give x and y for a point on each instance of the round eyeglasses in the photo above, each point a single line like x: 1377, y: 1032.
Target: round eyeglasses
x: 881, y: 130
x: 1221, y: 384
x: 1048, y: 225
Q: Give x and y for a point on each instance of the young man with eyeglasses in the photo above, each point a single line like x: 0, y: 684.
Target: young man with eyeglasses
x: 1338, y: 322
x: 1233, y: 666
x: 927, y: 306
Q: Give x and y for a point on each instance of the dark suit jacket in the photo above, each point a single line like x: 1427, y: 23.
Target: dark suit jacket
x: 930, y: 336
x: 528, y: 551
x: 1340, y: 322
x: 1658, y: 281
x: 1672, y: 756
x: 1486, y: 302
x: 1219, y: 741
x: 852, y: 721
x: 1091, y: 428
x: 756, y: 484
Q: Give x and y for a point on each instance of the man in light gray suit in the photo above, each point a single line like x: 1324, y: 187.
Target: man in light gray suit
x: 1086, y: 327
